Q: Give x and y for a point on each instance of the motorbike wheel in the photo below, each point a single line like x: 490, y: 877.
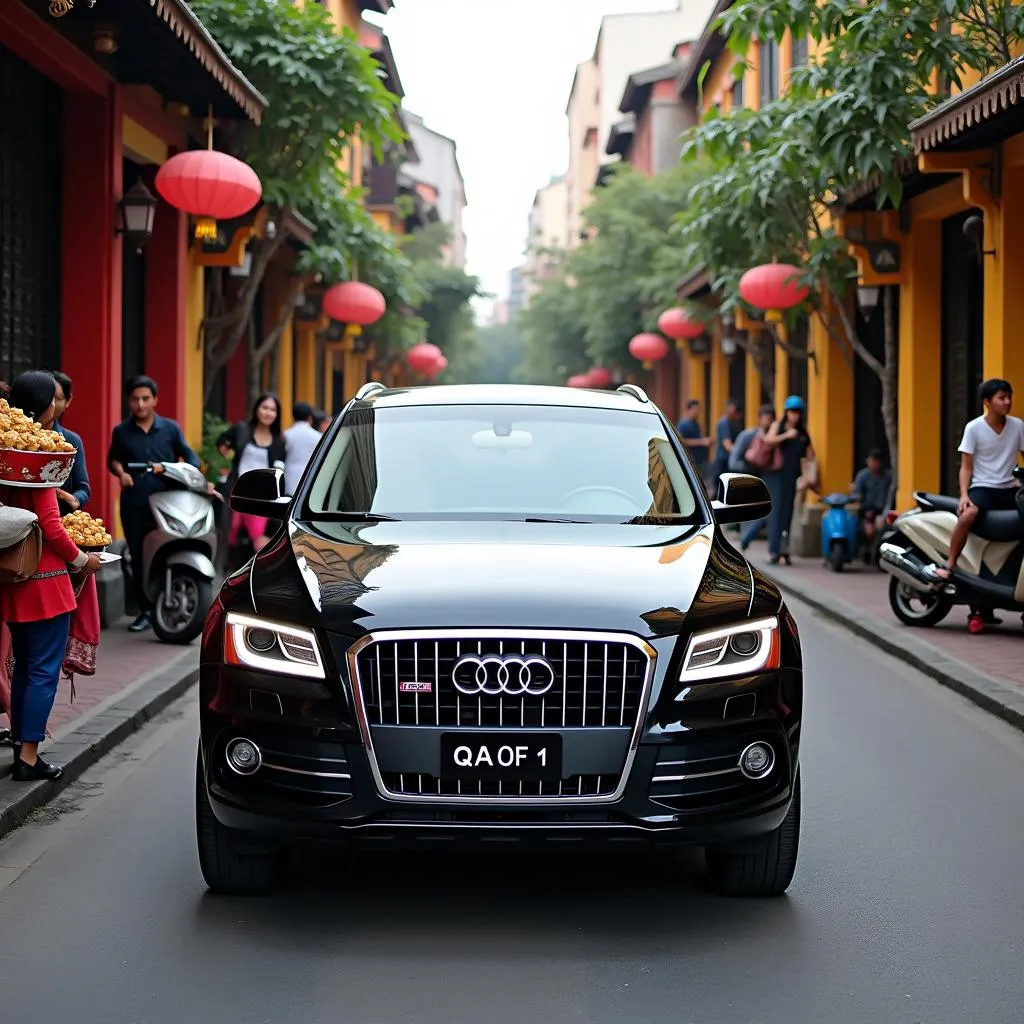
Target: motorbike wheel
x: 182, y: 621
x: 837, y: 556
x: 914, y: 608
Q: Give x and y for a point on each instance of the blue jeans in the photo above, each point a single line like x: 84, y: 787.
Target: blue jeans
x: 783, y: 491
x: 38, y: 649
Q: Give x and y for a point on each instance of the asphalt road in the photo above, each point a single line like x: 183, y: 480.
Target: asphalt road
x: 908, y: 905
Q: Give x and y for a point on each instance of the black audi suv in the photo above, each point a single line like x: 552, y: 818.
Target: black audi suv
x: 500, y: 613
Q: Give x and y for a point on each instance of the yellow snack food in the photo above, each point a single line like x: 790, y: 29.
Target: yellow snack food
x: 19, y: 433
x: 85, y: 531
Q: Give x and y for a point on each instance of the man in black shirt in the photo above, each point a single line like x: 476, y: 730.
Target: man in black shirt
x: 144, y: 437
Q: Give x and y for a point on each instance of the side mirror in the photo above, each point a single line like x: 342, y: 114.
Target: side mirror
x: 741, y: 499
x: 260, y: 492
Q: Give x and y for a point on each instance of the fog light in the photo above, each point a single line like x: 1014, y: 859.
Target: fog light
x: 243, y: 756
x: 757, y: 760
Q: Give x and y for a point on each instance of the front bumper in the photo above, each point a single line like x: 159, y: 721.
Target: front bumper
x: 681, y: 784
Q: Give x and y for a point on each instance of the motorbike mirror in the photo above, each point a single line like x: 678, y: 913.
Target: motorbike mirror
x: 742, y: 498
x: 260, y: 492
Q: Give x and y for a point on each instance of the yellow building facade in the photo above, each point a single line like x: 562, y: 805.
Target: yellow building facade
x: 958, y: 242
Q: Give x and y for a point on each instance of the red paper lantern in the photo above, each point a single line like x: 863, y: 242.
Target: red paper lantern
x: 423, y: 357
x: 353, y: 302
x: 600, y: 377
x: 773, y: 287
x: 210, y: 186
x: 678, y: 325
x: 578, y: 380
x: 649, y: 348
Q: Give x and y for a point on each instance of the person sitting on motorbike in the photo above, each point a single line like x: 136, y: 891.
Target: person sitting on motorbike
x: 143, y: 438
x: 871, y: 487
x: 990, y: 449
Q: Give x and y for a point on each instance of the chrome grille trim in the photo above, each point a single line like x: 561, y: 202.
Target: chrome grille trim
x: 543, y: 636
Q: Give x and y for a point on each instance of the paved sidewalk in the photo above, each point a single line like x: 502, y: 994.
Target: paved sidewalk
x: 136, y: 678
x: 988, y: 669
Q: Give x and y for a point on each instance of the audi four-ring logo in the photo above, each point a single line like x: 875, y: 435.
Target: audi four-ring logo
x: 511, y: 674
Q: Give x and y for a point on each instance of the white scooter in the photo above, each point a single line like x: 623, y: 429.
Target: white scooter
x: 989, y: 574
x: 178, y: 556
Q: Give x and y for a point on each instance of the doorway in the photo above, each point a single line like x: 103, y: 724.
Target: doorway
x: 963, y: 325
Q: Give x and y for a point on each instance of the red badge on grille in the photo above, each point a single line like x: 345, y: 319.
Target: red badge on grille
x: 415, y: 687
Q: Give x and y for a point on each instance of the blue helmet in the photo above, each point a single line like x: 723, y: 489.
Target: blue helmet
x: 794, y: 402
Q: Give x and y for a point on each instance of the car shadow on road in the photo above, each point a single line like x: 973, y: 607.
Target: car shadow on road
x: 486, y: 901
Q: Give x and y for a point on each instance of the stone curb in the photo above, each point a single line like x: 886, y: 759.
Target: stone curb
x: 84, y: 745
x: 984, y: 690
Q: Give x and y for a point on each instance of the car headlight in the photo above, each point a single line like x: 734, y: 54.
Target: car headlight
x: 738, y: 650
x: 271, y: 647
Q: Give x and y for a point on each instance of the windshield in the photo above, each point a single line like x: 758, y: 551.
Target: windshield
x: 506, y: 462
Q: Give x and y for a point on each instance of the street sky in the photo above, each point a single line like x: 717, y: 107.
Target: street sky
x: 495, y: 76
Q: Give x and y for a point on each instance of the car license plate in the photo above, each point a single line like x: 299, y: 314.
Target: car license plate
x: 501, y: 757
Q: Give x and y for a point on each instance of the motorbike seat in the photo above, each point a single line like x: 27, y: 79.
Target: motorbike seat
x: 999, y: 526
x: 937, y: 502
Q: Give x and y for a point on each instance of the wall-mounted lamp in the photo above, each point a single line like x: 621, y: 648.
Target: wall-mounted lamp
x: 867, y: 299
x: 138, y: 207
x: 974, y: 231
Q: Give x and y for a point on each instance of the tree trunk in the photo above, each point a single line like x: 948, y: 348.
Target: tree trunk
x: 260, y: 349
x: 224, y: 328
x: 890, y: 383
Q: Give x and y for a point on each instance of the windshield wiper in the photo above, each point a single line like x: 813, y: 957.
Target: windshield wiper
x: 366, y: 517
x: 547, y: 519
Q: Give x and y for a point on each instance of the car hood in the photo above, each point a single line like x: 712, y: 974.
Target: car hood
x: 356, y: 578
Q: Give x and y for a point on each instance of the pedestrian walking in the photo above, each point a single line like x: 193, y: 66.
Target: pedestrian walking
x: 143, y: 438
x: 38, y: 610
x: 6, y: 658
x: 788, y: 436
x: 300, y: 441
x: 751, y: 454
x: 695, y: 440
x: 84, y: 635
x: 255, y: 444
x: 727, y: 430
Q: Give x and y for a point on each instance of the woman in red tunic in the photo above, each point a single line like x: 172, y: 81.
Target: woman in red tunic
x: 38, y: 611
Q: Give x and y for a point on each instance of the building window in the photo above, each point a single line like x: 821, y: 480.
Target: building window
x: 799, y: 51
x: 737, y: 94
x: 769, y: 71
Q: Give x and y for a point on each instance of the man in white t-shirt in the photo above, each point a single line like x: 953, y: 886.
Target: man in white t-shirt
x: 989, y: 449
x: 300, y: 439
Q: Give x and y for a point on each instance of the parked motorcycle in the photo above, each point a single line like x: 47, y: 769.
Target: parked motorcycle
x: 840, y: 531
x: 989, y: 574
x: 178, y: 556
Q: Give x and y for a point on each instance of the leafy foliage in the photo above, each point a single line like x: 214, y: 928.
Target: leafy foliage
x: 625, y: 275
x: 323, y: 89
x: 500, y: 355
x: 844, y: 118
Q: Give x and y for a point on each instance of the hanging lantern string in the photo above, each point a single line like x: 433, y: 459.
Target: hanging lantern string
x: 209, y: 126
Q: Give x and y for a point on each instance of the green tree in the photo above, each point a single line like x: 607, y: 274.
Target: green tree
x: 323, y: 89
x: 552, y: 329
x: 441, y: 311
x: 625, y: 275
x: 501, y: 350
x: 778, y: 171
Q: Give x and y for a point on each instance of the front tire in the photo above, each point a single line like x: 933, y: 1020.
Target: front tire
x: 192, y: 595
x: 837, y: 556
x: 228, y: 867
x: 929, y: 610
x: 763, y: 866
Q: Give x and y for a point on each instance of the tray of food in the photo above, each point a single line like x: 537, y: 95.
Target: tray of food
x: 88, y: 533
x: 31, y: 456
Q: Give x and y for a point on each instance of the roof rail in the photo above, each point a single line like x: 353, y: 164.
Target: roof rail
x: 370, y: 388
x: 632, y: 389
